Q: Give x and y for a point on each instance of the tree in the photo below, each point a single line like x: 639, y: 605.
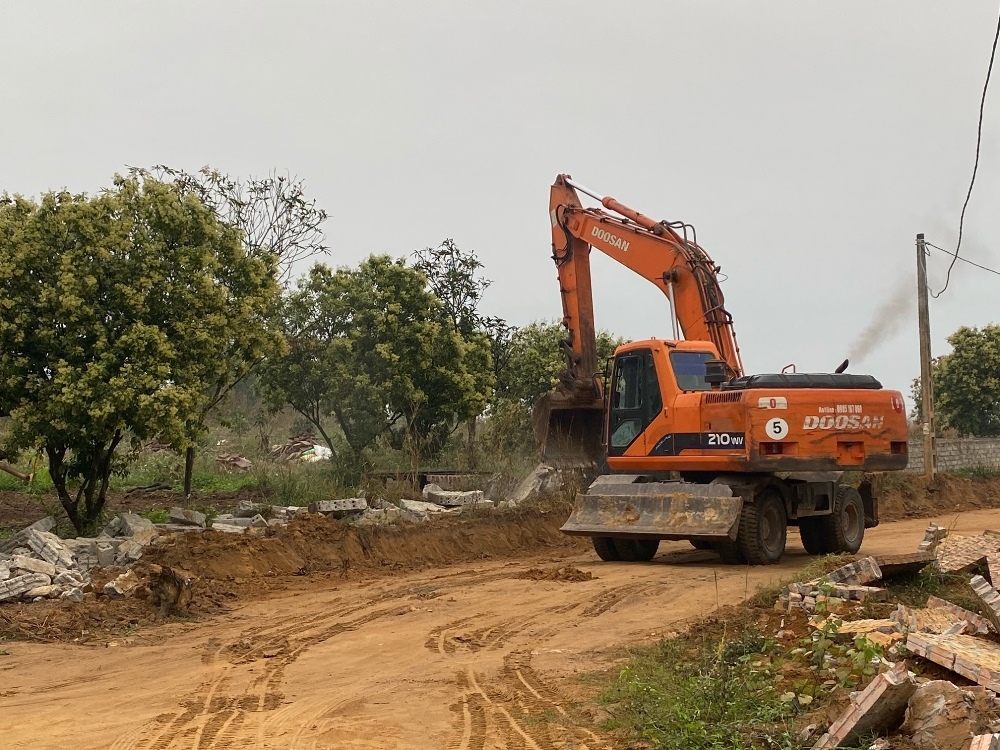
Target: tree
x: 277, y: 222
x: 272, y: 213
x: 453, y: 275
x: 374, y: 347
x: 115, y: 308
x: 967, y: 383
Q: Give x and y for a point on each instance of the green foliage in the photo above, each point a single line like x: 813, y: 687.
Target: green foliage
x: 375, y: 348
x: 121, y: 313
x: 967, y: 383
x: 527, y: 362
x: 535, y: 356
x: 978, y: 473
x: 706, y: 696
x: 157, y: 515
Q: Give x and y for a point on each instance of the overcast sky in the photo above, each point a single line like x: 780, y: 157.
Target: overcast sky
x: 808, y: 142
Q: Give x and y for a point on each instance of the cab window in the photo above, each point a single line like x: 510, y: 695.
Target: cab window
x: 689, y: 370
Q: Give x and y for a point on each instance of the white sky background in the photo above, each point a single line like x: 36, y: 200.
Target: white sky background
x: 807, y: 142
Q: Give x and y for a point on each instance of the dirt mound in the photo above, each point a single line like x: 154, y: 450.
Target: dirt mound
x: 566, y: 574
x: 912, y: 496
x: 316, y: 543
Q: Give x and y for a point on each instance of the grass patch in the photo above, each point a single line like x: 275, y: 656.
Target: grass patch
x: 913, y: 590
x: 704, y: 694
x: 157, y: 515
x: 978, y: 473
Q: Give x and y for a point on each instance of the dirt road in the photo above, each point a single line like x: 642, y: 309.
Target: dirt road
x: 464, y: 657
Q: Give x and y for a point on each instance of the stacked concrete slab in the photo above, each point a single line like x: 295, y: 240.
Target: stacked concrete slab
x: 36, y: 564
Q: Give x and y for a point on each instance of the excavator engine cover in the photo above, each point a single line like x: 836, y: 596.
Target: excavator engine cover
x: 623, y: 505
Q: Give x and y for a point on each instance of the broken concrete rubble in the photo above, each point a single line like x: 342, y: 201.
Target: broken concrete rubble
x: 187, y: 517
x: 339, y: 508
x: 14, y: 588
x: 453, y: 498
x: 974, y: 658
x: 940, y: 716
x: 990, y: 599
x: 20, y: 539
x: 122, y: 586
x: 932, y: 538
x: 963, y: 554
x: 985, y: 742
x: 879, y: 707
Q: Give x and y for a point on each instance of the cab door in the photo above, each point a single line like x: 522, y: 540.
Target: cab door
x: 634, y: 401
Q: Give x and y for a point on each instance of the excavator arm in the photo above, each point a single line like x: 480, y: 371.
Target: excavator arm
x: 568, y: 421
x: 675, y: 264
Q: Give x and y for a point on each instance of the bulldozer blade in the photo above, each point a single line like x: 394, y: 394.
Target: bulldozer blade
x: 568, y: 431
x: 618, y: 505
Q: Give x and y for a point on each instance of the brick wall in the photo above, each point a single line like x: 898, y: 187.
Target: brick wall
x: 958, y: 453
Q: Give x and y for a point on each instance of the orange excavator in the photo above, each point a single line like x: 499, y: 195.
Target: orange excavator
x: 686, y: 444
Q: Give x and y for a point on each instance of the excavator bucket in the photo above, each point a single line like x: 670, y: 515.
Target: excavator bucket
x: 568, y: 430
x: 621, y: 505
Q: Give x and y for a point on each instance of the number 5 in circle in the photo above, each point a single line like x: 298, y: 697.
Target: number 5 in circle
x: 776, y: 429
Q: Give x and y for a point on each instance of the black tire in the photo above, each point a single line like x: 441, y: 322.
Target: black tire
x: 605, y: 548
x: 844, y: 529
x: 701, y: 544
x: 813, y: 535
x: 763, y: 529
x: 636, y: 550
x: 729, y: 553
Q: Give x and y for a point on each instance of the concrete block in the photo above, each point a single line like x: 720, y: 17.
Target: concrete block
x: 13, y: 588
x: 20, y: 538
x: 879, y: 708
x: 4, y: 571
x: 186, y: 517
x: 339, y: 508
x: 122, y: 586
x: 940, y: 715
x: 105, y: 554
x: 128, y: 553
x: 74, y: 594
x: 258, y: 522
x: 985, y: 742
x: 245, y: 509
x: 380, y: 517
x: 44, y: 592
x: 50, y: 548
x: 852, y: 629
x: 32, y: 565
x: 71, y: 579
x: 416, y: 506
x: 454, y: 499
x: 228, y: 528
x: 139, y: 529
x: 938, y: 617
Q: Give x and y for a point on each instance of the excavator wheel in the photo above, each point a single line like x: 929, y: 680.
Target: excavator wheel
x: 844, y: 529
x: 729, y: 553
x: 636, y: 550
x: 813, y: 535
x: 605, y: 548
x: 763, y: 526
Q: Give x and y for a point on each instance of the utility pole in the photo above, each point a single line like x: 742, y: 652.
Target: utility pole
x: 926, y: 382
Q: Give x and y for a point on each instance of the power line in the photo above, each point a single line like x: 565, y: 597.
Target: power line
x: 955, y: 257
x: 975, y: 166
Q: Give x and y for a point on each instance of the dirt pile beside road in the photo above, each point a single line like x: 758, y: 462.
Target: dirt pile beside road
x: 912, y: 496
x: 316, y: 543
